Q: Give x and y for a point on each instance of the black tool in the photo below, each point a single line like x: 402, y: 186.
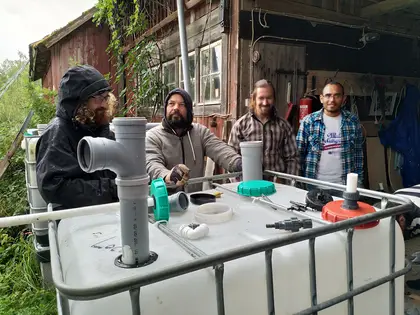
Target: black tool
x: 292, y: 224
x: 202, y: 198
x: 297, y: 206
x: 317, y: 199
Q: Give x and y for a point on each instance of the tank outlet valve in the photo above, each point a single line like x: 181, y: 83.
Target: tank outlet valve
x: 292, y: 224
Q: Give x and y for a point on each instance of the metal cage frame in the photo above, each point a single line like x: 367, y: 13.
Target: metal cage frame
x: 202, y: 261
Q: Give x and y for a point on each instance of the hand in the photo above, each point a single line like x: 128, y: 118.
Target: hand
x: 179, y: 175
x: 402, y: 222
x: 238, y: 166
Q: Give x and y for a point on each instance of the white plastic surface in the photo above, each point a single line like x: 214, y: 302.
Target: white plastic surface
x: 35, y: 198
x: 30, y: 169
x: 351, y: 182
x: 251, y: 152
x: 89, y: 246
x: 213, y: 213
x: 32, y: 149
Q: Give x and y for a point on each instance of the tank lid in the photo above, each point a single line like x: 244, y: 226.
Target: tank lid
x: 334, y: 212
x: 256, y: 188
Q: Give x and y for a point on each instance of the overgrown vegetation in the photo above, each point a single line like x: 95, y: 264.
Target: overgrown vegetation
x: 21, y: 291
x: 141, y: 66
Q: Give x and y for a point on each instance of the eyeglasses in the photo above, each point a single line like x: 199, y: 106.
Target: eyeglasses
x: 101, y: 98
x: 335, y: 96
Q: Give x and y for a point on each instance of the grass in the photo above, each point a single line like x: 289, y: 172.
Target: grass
x: 21, y: 289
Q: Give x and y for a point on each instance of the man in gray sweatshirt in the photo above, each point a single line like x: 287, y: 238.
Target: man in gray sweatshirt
x: 175, y: 150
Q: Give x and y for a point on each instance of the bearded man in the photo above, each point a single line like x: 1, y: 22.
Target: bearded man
x: 85, y: 108
x: 175, y: 150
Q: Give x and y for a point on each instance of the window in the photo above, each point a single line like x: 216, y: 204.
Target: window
x: 210, y: 72
x: 191, y: 70
x: 169, y: 76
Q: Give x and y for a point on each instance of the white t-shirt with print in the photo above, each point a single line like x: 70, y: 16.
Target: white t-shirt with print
x: 330, y: 168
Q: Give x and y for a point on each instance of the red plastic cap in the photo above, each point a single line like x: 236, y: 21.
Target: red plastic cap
x: 333, y: 212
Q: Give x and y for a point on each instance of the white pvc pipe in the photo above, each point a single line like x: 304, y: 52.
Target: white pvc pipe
x: 193, y: 234
x: 62, y: 214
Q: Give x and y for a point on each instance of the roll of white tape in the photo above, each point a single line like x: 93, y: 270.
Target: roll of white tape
x: 213, y: 213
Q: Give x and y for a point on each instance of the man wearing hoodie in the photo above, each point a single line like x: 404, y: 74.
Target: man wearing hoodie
x: 175, y: 150
x: 85, y: 107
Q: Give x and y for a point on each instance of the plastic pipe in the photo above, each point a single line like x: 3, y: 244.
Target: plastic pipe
x: 251, y: 152
x: 96, y: 154
x: 57, y: 215
x: 178, y: 203
x: 193, y: 234
x: 351, y: 183
x: 127, y: 158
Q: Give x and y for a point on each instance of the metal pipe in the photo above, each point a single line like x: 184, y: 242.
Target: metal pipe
x: 362, y: 191
x: 132, y: 181
x: 117, y: 286
x: 183, y: 42
x: 275, y: 205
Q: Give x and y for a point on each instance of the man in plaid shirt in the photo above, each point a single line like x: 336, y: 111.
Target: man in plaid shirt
x: 330, y: 141
x: 262, y: 123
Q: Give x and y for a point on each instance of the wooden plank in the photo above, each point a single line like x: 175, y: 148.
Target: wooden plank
x: 277, y: 63
x: 4, y: 162
x: 328, y: 5
x: 385, y: 7
x: 300, y: 10
x: 361, y: 83
x: 166, y: 21
x: 376, y: 163
x: 170, y: 45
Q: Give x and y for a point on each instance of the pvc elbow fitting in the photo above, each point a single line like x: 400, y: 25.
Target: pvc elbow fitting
x: 188, y: 232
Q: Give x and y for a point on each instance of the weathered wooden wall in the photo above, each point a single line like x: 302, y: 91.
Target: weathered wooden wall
x: 85, y: 45
x: 278, y: 63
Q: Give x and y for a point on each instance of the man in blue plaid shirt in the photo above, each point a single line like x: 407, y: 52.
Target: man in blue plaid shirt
x: 330, y: 141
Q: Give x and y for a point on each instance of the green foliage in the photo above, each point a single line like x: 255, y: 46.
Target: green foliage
x: 42, y: 101
x: 21, y: 291
x: 142, y: 64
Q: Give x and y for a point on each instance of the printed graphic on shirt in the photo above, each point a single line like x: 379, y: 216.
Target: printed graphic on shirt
x: 332, y: 143
x: 330, y: 166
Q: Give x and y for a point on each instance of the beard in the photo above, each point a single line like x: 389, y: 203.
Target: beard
x: 177, y: 121
x: 94, y: 118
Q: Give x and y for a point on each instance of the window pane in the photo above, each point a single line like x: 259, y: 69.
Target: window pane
x: 215, y: 87
x: 171, y: 70
x: 166, y: 74
x: 191, y: 67
x: 191, y: 60
x: 205, y: 59
x: 192, y: 88
x: 216, y: 58
x: 205, y: 89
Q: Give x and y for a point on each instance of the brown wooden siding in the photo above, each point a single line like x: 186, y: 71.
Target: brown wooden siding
x: 86, y: 45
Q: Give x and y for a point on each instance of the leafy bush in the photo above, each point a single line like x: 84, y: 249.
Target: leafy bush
x: 21, y: 291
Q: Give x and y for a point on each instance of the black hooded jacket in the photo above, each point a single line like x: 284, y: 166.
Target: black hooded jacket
x: 60, y: 179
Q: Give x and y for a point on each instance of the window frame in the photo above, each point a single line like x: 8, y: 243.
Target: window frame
x: 194, y: 80
x: 201, y: 89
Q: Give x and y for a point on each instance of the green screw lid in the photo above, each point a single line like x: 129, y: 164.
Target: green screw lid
x: 160, y: 194
x: 256, y: 188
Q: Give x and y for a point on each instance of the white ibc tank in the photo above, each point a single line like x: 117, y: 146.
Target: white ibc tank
x: 89, y: 246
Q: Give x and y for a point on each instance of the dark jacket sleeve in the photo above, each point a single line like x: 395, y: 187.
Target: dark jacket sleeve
x: 61, y: 180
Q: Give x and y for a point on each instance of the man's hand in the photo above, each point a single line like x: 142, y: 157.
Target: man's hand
x: 179, y: 175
